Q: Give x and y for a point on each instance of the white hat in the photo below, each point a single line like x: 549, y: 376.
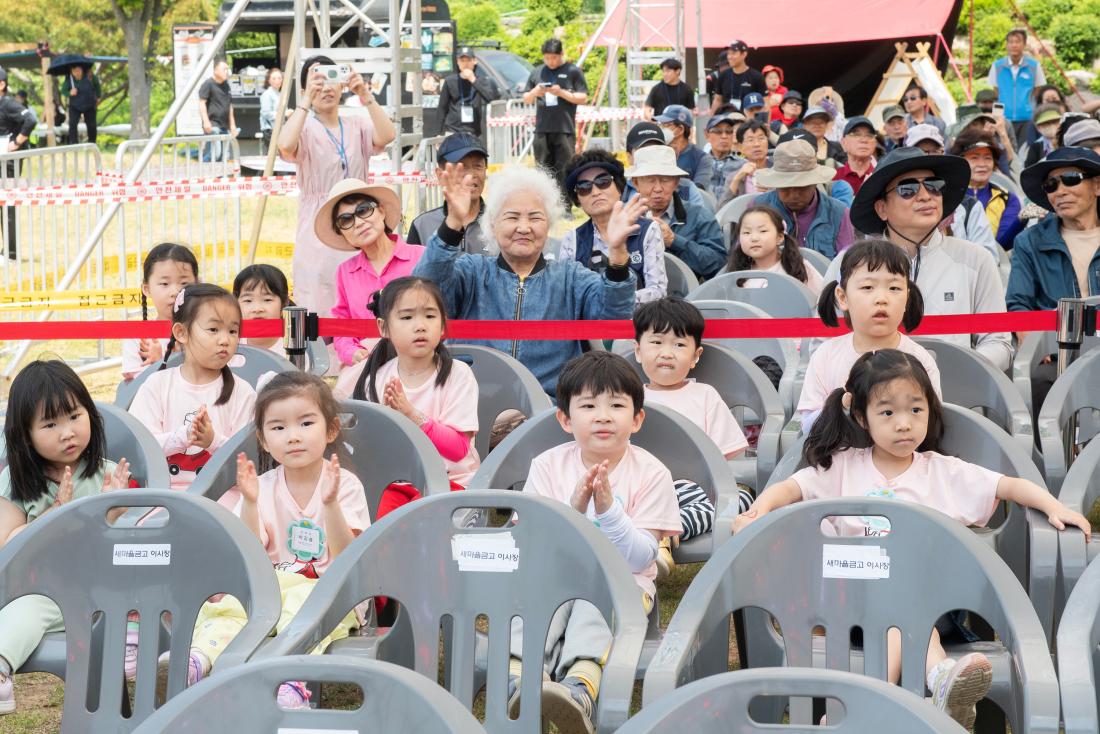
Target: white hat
x: 921, y: 132
x: 654, y: 160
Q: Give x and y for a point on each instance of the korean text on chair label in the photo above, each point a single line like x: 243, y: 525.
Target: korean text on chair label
x: 854, y: 562
x: 492, y: 553
x: 142, y: 554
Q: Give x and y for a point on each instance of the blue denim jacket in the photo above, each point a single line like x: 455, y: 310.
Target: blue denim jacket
x: 485, y: 288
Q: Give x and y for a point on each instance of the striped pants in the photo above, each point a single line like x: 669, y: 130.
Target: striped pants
x: 697, y: 511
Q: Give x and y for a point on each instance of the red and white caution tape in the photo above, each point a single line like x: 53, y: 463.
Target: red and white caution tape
x: 219, y: 187
x: 584, y: 114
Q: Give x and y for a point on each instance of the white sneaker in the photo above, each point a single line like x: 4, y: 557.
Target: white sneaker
x: 958, y: 688
x: 7, y: 694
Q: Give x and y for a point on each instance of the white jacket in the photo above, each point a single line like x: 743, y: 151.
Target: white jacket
x: 958, y: 277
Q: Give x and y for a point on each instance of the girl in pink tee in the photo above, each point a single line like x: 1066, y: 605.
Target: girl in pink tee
x: 764, y: 244
x: 193, y: 409
x: 166, y: 270
x: 412, y: 372
x: 888, y: 403
x: 877, y: 297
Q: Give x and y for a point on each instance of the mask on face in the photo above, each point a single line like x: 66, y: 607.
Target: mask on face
x: 669, y: 135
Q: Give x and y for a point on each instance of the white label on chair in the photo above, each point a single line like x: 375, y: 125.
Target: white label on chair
x: 854, y: 562
x: 142, y: 554
x: 492, y: 553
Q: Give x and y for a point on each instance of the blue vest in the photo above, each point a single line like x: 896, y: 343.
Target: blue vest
x: 1015, y: 92
x: 595, y: 260
x: 823, y: 229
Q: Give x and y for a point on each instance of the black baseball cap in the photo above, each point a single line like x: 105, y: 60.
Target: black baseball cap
x: 644, y: 133
x: 465, y: 51
x: 985, y: 95
x: 671, y: 63
x: 3, y: 75
x: 551, y: 46
x: 858, y: 121
x: 738, y: 46
x: 457, y: 146
x: 798, y: 133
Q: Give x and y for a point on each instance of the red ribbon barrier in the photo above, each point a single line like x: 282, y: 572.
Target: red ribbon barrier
x: 981, y: 323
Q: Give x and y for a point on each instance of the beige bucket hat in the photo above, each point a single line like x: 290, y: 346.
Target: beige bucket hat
x: 794, y: 163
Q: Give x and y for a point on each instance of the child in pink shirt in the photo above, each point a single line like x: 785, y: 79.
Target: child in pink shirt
x: 193, y: 409
x: 627, y: 492
x: 888, y: 401
x: 877, y: 296
x: 167, y: 268
x: 263, y: 292
x: 305, y: 511
x: 668, y: 342
x: 412, y: 372
x: 762, y: 243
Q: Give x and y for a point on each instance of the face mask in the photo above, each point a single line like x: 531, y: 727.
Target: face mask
x: 669, y: 135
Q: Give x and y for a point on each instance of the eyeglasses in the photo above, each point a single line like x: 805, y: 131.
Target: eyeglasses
x: 602, y: 182
x: 908, y: 188
x: 365, y: 210
x: 1069, y: 180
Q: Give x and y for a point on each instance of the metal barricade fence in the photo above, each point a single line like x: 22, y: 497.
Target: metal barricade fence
x: 509, y: 143
x: 40, y: 242
x: 427, y: 197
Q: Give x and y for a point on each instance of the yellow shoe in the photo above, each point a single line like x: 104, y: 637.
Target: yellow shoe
x: 665, y: 564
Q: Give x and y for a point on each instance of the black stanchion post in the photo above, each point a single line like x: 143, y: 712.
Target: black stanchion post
x: 295, y: 339
x: 1076, y: 320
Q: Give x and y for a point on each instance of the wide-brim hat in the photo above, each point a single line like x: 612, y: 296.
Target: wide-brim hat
x: 654, y: 160
x: 951, y: 168
x: 794, y: 163
x: 384, y: 195
x: 1031, y: 179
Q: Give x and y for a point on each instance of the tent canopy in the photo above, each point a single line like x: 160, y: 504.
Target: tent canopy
x: 31, y: 60
x: 774, y: 23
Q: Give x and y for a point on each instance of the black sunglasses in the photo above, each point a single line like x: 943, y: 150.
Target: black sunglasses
x: 908, y: 188
x: 913, y: 98
x: 602, y: 182
x: 1069, y: 180
x: 364, y: 211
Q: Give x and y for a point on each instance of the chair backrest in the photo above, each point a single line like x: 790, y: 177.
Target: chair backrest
x: 1079, y: 655
x: 1073, y: 391
x: 781, y: 297
x: 720, y: 704
x: 503, y: 383
x: 973, y: 382
x: 1080, y: 491
x: 888, y: 590
x: 680, y: 445
x: 709, y: 199
x: 243, y: 699
x: 740, y: 384
x: 417, y: 556
x: 257, y: 362
x: 681, y: 280
x: 814, y: 258
x: 730, y: 214
x: 90, y: 568
x: 380, y: 445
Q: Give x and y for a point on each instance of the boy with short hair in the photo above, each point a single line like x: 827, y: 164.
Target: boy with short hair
x: 668, y: 336
x: 629, y: 495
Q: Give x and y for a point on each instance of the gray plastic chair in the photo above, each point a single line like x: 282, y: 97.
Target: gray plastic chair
x: 819, y: 262
x: 681, y: 280
x: 972, y: 381
x: 68, y: 555
x: 789, y: 544
x: 782, y: 351
x: 1079, y: 655
x: 677, y: 442
x: 1077, y: 389
x: 381, y: 446
x: 242, y: 701
x: 781, y: 297
x: 741, y: 385
x: 719, y: 704
x: 1023, y: 538
x: 1036, y: 347
x: 257, y: 363
x: 410, y: 556
x: 730, y: 214
x: 503, y: 383
x: 1080, y: 491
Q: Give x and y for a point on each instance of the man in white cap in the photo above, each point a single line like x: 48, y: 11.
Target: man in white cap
x: 815, y: 220
x: 689, y: 232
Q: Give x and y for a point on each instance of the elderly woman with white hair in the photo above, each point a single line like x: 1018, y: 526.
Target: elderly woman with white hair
x: 517, y: 282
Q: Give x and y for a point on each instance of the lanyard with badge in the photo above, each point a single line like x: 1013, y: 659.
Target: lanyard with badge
x: 550, y: 100
x: 466, y: 106
x: 341, y: 149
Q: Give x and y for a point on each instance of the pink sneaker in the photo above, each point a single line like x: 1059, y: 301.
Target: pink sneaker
x: 7, y: 694
x: 131, y: 655
x: 196, y: 671
x: 293, y: 695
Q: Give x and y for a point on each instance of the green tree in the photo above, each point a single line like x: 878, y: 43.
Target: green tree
x: 1041, y: 14
x: 563, y: 11
x: 1076, y: 38
x: 477, y: 22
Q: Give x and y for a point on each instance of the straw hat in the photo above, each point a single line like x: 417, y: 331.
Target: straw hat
x: 794, y: 163
x: 384, y: 195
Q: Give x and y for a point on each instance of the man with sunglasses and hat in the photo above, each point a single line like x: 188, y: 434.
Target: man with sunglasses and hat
x: 906, y: 200
x: 594, y: 181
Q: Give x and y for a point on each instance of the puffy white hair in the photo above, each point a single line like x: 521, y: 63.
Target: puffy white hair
x: 514, y: 179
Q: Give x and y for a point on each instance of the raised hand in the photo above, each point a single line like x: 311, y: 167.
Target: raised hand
x: 202, y: 429
x: 359, y: 87
x: 393, y: 396
x: 119, y: 478
x: 601, y: 489
x: 150, y: 351
x: 64, y: 488
x: 313, y: 87
x: 582, y: 495
x: 456, y: 185
x: 623, y: 224
x: 248, y: 484
x: 330, y: 480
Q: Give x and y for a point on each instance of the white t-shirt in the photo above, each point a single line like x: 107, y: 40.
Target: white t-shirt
x: 963, y: 491
x: 702, y: 405
x: 831, y: 364
x: 166, y: 403
x: 640, y: 483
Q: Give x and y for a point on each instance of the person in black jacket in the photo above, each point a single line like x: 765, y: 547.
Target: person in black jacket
x: 464, y: 96
x: 16, y: 125
x: 81, y: 89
